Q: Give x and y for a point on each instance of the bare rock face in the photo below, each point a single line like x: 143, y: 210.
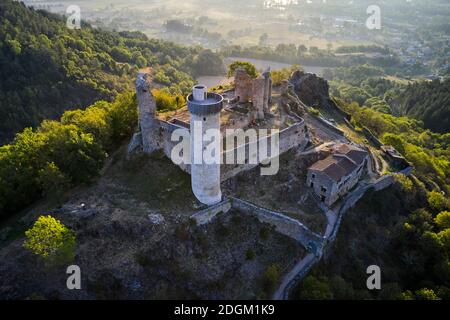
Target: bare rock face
x: 310, y: 88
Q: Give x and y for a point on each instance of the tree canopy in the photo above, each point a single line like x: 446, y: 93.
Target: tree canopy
x: 50, y: 239
x: 46, y: 68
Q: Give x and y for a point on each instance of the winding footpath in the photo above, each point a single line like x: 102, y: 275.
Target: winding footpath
x: 334, y: 219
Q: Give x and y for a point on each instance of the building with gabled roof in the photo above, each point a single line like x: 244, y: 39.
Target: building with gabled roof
x: 332, y: 177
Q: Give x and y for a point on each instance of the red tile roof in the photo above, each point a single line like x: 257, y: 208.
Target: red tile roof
x: 336, y: 166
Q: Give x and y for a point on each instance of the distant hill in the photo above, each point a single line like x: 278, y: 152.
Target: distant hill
x: 429, y: 102
x: 46, y: 68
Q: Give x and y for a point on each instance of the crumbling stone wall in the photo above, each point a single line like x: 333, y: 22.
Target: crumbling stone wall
x: 259, y: 98
x: 207, y: 215
x: 294, y: 136
x: 267, y: 91
x: 147, y: 110
x: 156, y: 134
x: 283, y: 224
x: 258, y: 90
x: 243, y: 85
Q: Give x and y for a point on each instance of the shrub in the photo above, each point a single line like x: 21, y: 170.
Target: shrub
x: 313, y: 288
x: 443, y: 220
x: 438, y: 201
x: 271, y: 278
x: 314, y: 111
x: 426, y: 294
x: 51, y: 240
x: 250, y: 254
x: 166, y: 101
x: 264, y: 233
x: 249, y: 68
x: 283, y: 74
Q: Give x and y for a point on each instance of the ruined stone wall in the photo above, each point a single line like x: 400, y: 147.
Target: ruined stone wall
x: 207, y: 215
x: 258, y: 90
x: 243, y: 85
x: 165, y: 136
x: 259, y: 96
x: 283, y: 224
x: 330, y: 125
x: 147, y: 109
x: 267, y: 92
x: 156, y: 134
x: 291, y: 137
x: 294, y: 136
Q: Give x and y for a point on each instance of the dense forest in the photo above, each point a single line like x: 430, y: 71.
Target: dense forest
x: 58, y: 155
x: 427, y: 101
x: 46, y: 68
x: 370, y: 86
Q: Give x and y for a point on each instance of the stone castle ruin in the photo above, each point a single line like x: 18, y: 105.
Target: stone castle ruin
x: 248, y: 106
x: 258, y: 90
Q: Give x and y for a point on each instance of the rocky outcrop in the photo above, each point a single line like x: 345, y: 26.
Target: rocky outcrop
x: 310, y: 88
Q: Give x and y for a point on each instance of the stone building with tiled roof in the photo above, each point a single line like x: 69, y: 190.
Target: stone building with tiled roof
x: 332, y: 177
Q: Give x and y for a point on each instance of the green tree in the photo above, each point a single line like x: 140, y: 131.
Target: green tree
x: 50, y: 239
x: 263, y: 39
x: 53, y: 182
x: 14, y: 46
x: 395, y: 141
x: 249, y: 68
x: 167, y: 102
x: 426, y: 294
x: 443, y: 220
x: 92, y: 120
x: 121, y: 54
x: 76, y: 153
x: 444, y: 240
x: 208, y: 63
x: 313, y: 288
x: 437, y: 201
x: 271, y: 277
x: 301, y: 50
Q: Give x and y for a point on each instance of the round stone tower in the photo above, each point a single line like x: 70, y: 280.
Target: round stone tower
x: 204, y: 108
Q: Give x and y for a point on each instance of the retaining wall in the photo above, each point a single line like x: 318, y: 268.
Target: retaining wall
x: 283, y: 224
x: 207, y: 215
x: 329, y: 125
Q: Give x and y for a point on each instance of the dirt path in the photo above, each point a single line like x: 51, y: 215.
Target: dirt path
x: 299, y: 269
x: 334, y: 217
